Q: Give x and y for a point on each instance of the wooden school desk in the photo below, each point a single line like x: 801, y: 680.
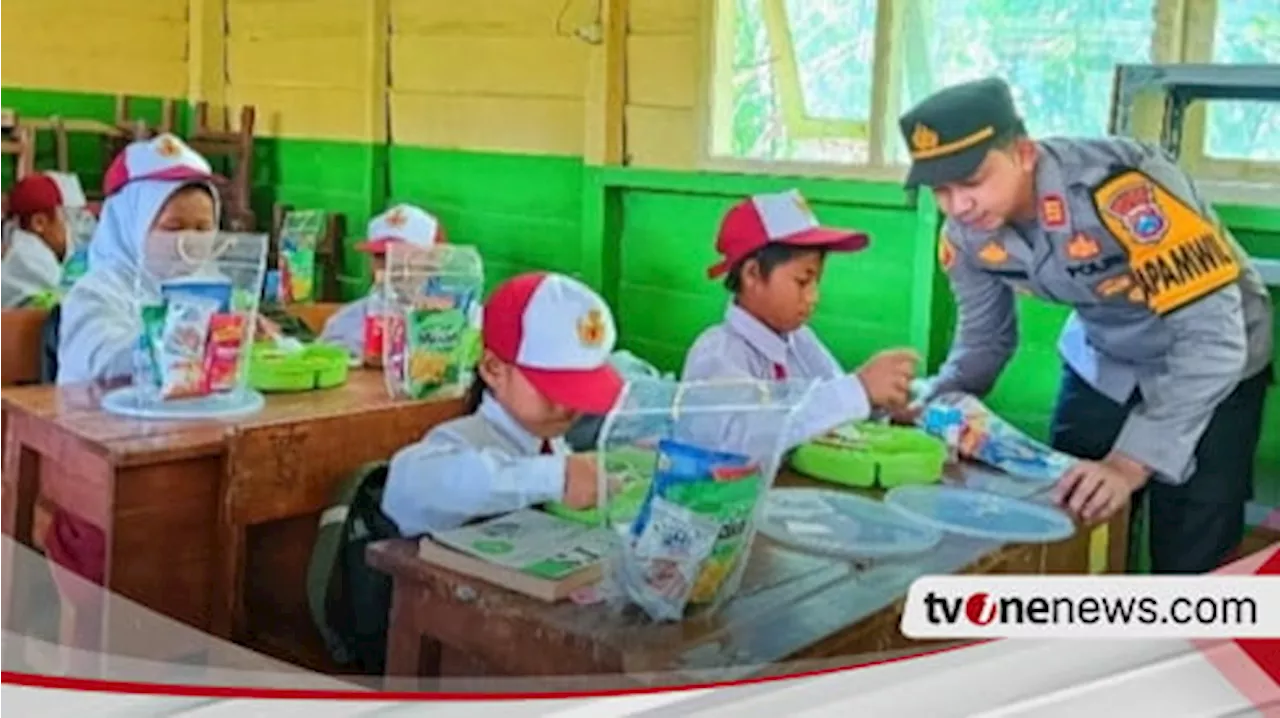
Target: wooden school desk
x: 791, y: 606
x: 209, y: 523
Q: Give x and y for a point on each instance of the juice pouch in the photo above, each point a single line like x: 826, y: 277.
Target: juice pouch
x: 222, y: 356
x: 374, y: 329
x: 183, y: 343
x: 668, y: 556
x: 147, y: 363
x: 719, y: 486
x: 217, y: 289
x: 433, y: 338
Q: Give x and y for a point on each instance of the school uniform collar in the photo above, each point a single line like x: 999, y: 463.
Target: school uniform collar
x: 497, y: 415
x: 758, y: 335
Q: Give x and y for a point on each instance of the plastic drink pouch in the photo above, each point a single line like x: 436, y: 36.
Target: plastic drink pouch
x: 147, y: 364
x: 297, y: 272
x: 217, y: 289
x: 182, y: 348
x: 667, y: 559
x: 433, y: 340
x: 719, y: 486
x: 222, y: 356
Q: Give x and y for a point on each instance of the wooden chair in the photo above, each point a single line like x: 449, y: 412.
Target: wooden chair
x: 236, y: 148
x: 328, y: 250
x: 19, y: 141
x: 22, y: 331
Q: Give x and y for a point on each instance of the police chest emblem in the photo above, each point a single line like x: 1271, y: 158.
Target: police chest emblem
x: 1081, y: 246
x: 993, y: 253
x: 1053, y: 211
x: 1136, y: 207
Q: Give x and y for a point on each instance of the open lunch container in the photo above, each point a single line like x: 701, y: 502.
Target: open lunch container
x: 684, y: 467
x: 431, y: 319
x: 197, y: 297
x: 316, y: 366
x: 868, y: 454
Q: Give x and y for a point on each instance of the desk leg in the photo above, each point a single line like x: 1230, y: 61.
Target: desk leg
x: 410, y: 653
x: 229, y: 620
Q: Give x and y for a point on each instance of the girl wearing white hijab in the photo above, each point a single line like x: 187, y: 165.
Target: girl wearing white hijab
x: 154, y: 185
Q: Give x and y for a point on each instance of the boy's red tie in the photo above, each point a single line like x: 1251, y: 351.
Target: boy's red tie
x: 546, y: 447
x: 779, y: 371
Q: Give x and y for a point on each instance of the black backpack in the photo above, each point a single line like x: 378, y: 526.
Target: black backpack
x: 349, y: 599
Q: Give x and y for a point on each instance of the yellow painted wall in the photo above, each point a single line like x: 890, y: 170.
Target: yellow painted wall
x: 664, y: 61
x: 495, y: 75
x: 102, y: 46
x: 314, y: 69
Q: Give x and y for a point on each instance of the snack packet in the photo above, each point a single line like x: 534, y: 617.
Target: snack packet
x: 222, y: 358
x: 182, y: 347
x: 667, y: 558
x: 433, y: 343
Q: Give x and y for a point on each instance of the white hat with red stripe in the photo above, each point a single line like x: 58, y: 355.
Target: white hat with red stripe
x: 560, y: 334
x: 163, y: 157
x: 405, y: 224
x: 782, y: 217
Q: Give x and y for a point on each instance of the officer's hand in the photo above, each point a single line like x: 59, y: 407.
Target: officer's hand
x: 887, y: 376
x: 1094, y: 491
x: 580, y: 481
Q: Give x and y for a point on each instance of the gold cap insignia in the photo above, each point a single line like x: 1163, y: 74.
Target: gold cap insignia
x: 923, y: 138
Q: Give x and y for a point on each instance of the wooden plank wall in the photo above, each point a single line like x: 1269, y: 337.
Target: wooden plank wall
x: 306, y: 66
x: 96, y: 46
x: 664, y: 61
x: 495, y: 76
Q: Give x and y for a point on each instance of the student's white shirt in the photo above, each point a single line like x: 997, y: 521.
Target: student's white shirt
x: 30, y: 268
x: 475, y: 466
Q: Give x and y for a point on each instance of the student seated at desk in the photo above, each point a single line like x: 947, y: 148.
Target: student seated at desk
x: 39, y: 234
x: 773, y: 252
x: 547, y: 340
x: 157, y: 185
x: 403, y: 224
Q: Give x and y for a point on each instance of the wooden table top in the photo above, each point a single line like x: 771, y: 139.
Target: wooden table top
x: 788, y: 603
x: 76, y: 411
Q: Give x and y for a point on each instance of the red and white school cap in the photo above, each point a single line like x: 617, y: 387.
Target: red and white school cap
x: 34, y: 194
x: 402, y: 223
x: 163, y: 157
x: 560, y: 334
x: 782, y: 217
x: 70, y: 188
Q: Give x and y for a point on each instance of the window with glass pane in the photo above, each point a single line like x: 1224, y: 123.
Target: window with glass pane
x: 1059, y: 56
x: 800, y: 78
x: 1247, y: 31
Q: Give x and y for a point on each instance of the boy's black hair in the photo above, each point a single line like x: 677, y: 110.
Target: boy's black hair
x: 475, y: 393
x: 769, y: 257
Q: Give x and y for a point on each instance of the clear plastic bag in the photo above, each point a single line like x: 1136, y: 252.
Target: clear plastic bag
x: 428, y: 316
x: 198, y: 304
x: 677, y: 458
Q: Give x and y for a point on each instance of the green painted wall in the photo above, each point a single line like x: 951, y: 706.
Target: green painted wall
x: 646, y: 237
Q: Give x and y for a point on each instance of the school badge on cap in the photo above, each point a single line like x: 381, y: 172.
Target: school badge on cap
x: 405, y: 224
x: 560, y: 334
x: 163, y: 157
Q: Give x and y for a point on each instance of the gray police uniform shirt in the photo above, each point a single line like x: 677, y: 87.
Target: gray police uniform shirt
x: 484, y: 464
x: 744, y: 348
x: 1161, y: 306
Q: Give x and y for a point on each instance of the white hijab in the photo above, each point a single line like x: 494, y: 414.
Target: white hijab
x: 101, y: 315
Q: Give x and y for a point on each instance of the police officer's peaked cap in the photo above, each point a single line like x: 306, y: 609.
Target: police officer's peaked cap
x: 950, y: 132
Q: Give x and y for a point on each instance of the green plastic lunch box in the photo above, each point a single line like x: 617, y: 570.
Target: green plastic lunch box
x: 869, y: 454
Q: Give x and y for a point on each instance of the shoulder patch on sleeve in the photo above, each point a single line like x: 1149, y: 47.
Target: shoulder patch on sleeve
x: 946, y: 250
x: 1175, y: 255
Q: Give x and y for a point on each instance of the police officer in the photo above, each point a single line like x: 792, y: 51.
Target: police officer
x: 1168, y: 350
